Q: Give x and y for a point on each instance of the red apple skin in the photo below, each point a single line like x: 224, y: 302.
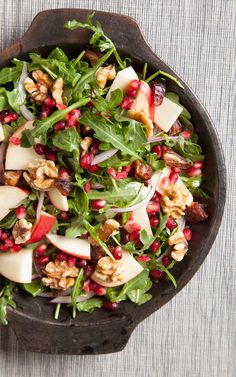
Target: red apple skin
x: 147, y: 91
x: 42, y: 226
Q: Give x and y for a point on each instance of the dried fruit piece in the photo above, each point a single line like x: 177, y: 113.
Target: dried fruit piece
x: 93, y: 56
x: 176, y: 128
x: 64, y: 186
x: 173, y: 159
x: 143, y: 172
x: 159, y: 91
x: 195, y: 213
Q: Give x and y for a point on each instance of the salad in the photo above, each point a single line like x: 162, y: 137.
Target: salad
x: 100, y: 178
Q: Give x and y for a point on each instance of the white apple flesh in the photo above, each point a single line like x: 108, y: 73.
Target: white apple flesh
x: 122, y: 80
x: 166, y: 114
x: 58, y: 200
x: 42, y: 226
x: 17, y: 266
x: 2, y: 137
x: 129, y: 268
x: 77, y: 247
x: 144, y: 99
x: 17, y: 157
x: 10, y: 197
x: 140, y: 217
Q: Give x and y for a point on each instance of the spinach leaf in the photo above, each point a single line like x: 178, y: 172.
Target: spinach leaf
x: 89, y: 305
x: 7, y: 290
x: 76, y: 290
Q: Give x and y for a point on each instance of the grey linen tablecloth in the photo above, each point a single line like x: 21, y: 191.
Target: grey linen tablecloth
x: 194, y: 334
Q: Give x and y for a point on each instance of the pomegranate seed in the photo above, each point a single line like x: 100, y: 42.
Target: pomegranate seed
x: 154, y: 221
x: 173, y: 178
x: 134, y: 84
x: 171, y: 223
x: 153, y: 208
x: 156, y: 274
x: 71, y: 261
x: 131, y: 92
x: 125, y: 238
x: 40, y: 149
x: 156, y: 197
x: 198, y: 164
x: 87, y: 186
x: 85, y: 161
x: 95, y: 146
x: 132, y: 227
x: 143, y: 258
x: 155, y: 246
x: 126, y: 103
x: 186, y: 134
x: 49, y: 102
x: 65, y: 215
x: 90, y: 104
x: 100, y: 291
x: 4, y: 248
x: 3, y: 236
x: 64, y: 174
x: 166, y: 261
x: 175, y: 169
x: 121, y: 175
x: 20, y: 212
x: 60, y: 125
x: 127, y: 168
x: 42, y: 260
x: 117, y: 253
x: 9, y: 243
x: 157, y: 150
x: 111, y: 306
x: 86, y: 286
x: 187, y: 234
x: 10, y: 117
x: 11, y: 238
x: 112, y: 172
x: 81, y: 263
x: 98, y: 204
x: 41, y: 250
x: 51, y: 156
x: 45, y: 111
x: 61, y: 106
x: 15, y: 248
x: 194, y: 172
x: 61, y: 256
x: 88, y: 270
x: 72, y: 121
x: 76, y: 113
x: 93, y: 168
x: 135, y: 237
x: 14, y: 140
x: 84, y: 235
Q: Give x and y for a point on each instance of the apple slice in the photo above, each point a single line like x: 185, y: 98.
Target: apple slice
x: 58, y: 200
x: 17, y: 157
x: 73, y: 246
x: 42, y: 226
x: 144, y: 99
x: 129, y: 269
x: 161, y: 184
x: 122, y: 80
x: 166, y: 114
x: 140, y: 217
x: 17, y: 266
x: 10, y: 197
x: 2, y: 137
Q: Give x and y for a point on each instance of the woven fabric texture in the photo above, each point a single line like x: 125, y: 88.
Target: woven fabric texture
x: 194, y: 334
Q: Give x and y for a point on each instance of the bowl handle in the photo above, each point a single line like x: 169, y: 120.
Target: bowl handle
x: 76, y: 338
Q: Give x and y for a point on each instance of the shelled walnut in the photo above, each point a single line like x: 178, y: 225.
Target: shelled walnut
x: 41, y: 174
x: 104, y: 74
x: 22, y: 231
x: 179, y: 246
x: 106, y: 230
x: 59, y: 275
x: 142, y: 117
x: 174, y: 200
x: 108, y: 270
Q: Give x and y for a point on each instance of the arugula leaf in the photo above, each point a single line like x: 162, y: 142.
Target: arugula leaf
x: 11, y: 74
x: 89, y: 305
x: 166, y: 270
x: 164, y: 74
x: 93, y: 233
x: 67, y: 140
x: 42, y: 126
x: 79, y: 202
x: 103, y: 105
x: 34, y: 288
x: 154, y: 162
x: 7, y: 290
x: 75, y: 228
x: 14, y: 99
x: 190, y: 150
x: 145, y: 238
x: 106, y: 130
x: 160, y: 228
x: 8, y: 221
x: 76, y: 290
x: 58, y: 54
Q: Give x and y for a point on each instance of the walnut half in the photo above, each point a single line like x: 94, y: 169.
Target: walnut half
x: 179, y: 246
x: 22, y: 231
x: 41, y: 174
x: 175, y: 199
x: 108, y: 270
x: 59, y: 275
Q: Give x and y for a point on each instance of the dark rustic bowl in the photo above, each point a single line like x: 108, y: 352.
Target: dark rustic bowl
x: 102, y: 331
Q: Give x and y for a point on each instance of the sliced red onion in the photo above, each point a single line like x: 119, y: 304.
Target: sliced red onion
x: 40, y: 204
x: 55, y: 294
x: 166, y: 252
x: 3, y: 148
x: 152, y: 187
x: 20, y: 86
x: 182, y: 223
x: 97, y: 186
x: 104, y: 156
x: 67, y: 299
x: 26, y: 113
x: 34, y: 276
x: 155, y: 139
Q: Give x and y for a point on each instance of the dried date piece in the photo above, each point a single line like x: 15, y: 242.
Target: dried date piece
x: 93, y: 56
x: 159, y: 91
x: 143, y: 172
x: 173, y: 159
x: 176, y: 128
x: 65, y: 187
x: 195, y: 213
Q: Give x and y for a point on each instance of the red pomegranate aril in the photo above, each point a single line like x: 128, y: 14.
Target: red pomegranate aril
x: 198, y: 164
x: 88, y: 270
x: 173, y: 178
x: 11, y: 117
x: 9, y: 242
x: 155, y: 246
x: 171, y: 223
x: 175, y: 169
x: 49, y: 102
x: 64, y: 174
x: 40, y: 149
x: 166, y: 261
x: 72, y: 121
x: 154, y: 221
x: 100, y: 291
x: 126, y: 103
x: 143, y: 258
x: 85, y: 161
x: 61, y: 256
x: 117, y: 252
x: 194, y: 172
x: 135, y: 237
x: 59, y: 126
x: 86, y: 286
x: 14, y: 140
x: 187, y: 234
x: 112, y: 172
x: 111, y: 306
x: 65, y: 215
x: 76, y: 113
x: 186, y: 134
x: 95, y: 146
x: 20, y: 212
x: 3, y: 236
x: 81, y: 263
x: 127, y: 168
x: 71, y: 261
x: 87, y: 186
x: 51, y: 156
x: 41, y: 250
x: 94, y: 168
x: 121, y: 175
x: 165, y: 182
x: 153, y: 208
x: 4, y: 248
x: 133, y: 227
x: 131, y: 92
x: 15, y: 248
x: 125, y: 238
x: 156, y: 274
x: 157, y: 149
x: 84, y: 235
x: 135, y: 84
x: 98, y: 204
x: 42, y: 260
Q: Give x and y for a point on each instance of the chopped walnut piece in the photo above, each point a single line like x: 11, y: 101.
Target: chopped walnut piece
x: 22, y: 231
x: 175, y: 199
x: 39, y: 89
x: 92, y: 56
x: 173, y: 159
x: 142, y: 117
x: 179, y: 246
x: 42, y: 78
x: 12, y: 177
x: 85, y: 144
x: 195, y: 213
x: 41, y: 174
x: 57, y: 90
x: 60, y: 275
x: 105, y: 73
x: 143, y: 172
x: 108, y: 269
x: 106, y: 230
